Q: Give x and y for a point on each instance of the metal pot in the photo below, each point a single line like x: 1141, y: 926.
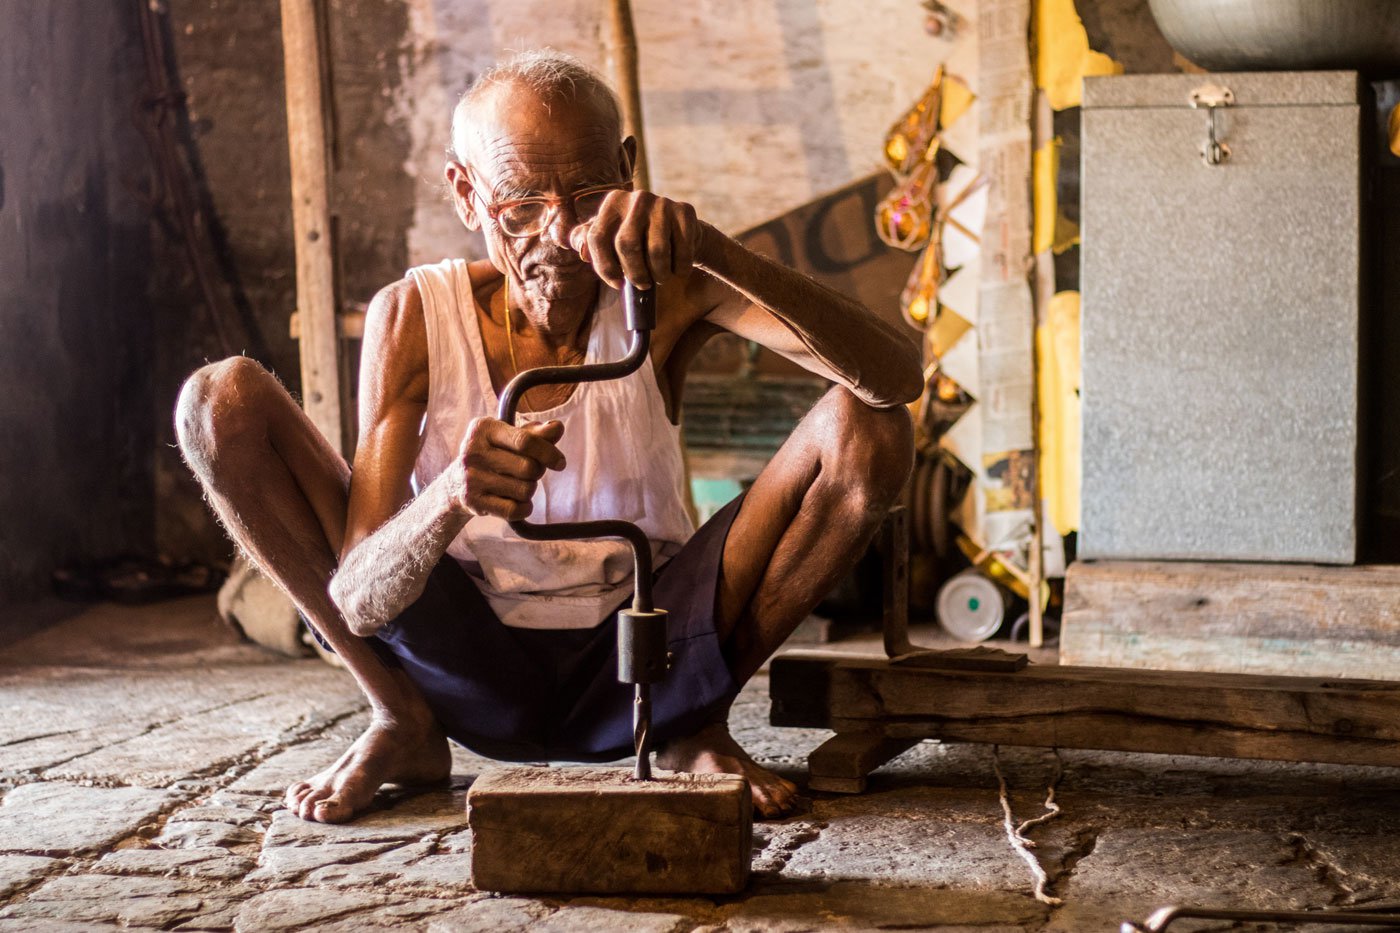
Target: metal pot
x: 1284, y: 35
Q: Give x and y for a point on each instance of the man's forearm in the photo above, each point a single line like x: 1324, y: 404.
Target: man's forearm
x: 386, y: 572
x: 874, y: 359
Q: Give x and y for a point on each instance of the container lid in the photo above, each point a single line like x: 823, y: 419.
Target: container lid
x: 1251, y: 89
x: 971, y: 607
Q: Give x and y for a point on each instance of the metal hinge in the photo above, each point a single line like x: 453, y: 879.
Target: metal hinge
x: 1212, y: 97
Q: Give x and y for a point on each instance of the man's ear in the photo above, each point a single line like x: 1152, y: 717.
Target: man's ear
x: 460, y: 190
x: 629, y: 157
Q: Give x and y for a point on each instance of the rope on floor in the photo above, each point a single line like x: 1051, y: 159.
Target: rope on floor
x: 1016, y: 833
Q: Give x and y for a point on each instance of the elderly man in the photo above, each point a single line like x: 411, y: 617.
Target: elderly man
x: 456, y: 628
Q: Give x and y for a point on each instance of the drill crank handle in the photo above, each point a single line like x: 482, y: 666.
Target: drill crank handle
x: 639, y: 307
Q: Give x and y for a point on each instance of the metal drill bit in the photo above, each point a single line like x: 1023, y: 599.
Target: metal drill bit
x: 641, y: 731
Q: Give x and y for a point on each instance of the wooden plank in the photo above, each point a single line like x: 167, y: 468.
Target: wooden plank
x: 1244, y: 618
x: 303, y: 59
x: 1174, y: 712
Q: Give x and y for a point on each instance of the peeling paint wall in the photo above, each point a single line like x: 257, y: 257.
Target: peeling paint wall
x: 229, y: 63
x: 751, y: 107
x: 75, y: 334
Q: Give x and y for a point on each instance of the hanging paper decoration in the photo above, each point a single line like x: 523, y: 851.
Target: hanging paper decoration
x: 910, y: 140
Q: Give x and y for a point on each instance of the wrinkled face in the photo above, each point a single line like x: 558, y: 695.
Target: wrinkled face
x: 523, y: 147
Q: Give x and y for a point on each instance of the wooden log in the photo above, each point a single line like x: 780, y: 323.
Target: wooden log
x: 1234, y: 618
x: 304, y: 62
x: 598, y: 831
x: 1172, y: 712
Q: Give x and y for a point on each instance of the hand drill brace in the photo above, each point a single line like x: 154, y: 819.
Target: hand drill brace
x: 641, y: 630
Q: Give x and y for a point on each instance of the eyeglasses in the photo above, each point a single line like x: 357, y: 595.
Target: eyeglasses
x: 522, y: 217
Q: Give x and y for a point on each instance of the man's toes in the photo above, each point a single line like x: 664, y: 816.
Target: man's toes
x: 292, y: 798
x: 764, y: 803
x: 331, y: 810
x: 306, y: 806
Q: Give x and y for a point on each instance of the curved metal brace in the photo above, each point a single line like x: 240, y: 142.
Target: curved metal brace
x: 639, y: 307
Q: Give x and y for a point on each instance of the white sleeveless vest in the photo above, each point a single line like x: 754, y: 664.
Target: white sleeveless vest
x: 623, y: 454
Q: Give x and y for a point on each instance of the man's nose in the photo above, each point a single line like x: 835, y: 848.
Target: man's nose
x: 562, y: 224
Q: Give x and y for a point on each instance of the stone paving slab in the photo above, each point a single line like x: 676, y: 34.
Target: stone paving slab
x: 489, y: 914
x: 875, y: 906
x: 418, y: 867
x: 36, y: 925
x: 198, y: 834
x: 210, y: 863
x: 1359, y: 868
x: 295, y: 908
x: 572, y: 919
x: 206, y: 742
x: 411, y: 818
x: 131, y: 901
x: 1133, y: 871
x: 287, y: 864
x: 62, y: 819
x: 20, y: 871
x: 903, y: 842
x: 275, y: 774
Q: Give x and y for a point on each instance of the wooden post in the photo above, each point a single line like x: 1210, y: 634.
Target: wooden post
x: 624, y: 42
x: 311, y: 215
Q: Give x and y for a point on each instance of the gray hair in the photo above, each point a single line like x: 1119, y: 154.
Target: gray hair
x: 548, y: 73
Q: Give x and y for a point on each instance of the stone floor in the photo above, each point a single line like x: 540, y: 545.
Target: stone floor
x: 143, y: 752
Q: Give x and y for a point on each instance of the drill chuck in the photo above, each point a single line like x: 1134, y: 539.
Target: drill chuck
x: 641, y: 646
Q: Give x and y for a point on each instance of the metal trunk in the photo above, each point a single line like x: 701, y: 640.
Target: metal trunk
x: 1221, y: 316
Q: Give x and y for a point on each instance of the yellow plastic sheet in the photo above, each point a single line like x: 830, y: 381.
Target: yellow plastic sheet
x: 1395, y: 129
x: 1057, y: 342
x: 1052, y: 230
x: 1062, y: 56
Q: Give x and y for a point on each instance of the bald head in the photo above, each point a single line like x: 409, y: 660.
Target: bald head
x: 545, y: 76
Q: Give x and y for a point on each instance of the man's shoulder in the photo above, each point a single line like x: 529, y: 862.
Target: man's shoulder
x: 395, y: 330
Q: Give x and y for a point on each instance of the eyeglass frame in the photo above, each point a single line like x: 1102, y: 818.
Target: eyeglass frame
x: 553, y: 201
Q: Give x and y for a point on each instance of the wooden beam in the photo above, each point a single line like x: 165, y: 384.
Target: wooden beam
x: 350, y: 325
x: 1231, y: 617
x: 1171, y: 712
x: 624, y: 43
x: 303, y: 58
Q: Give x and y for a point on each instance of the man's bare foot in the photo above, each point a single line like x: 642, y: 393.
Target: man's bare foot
x: 386, y: 753
x: 713, y: 750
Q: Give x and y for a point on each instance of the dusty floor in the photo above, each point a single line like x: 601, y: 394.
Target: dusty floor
x: 143, y: 753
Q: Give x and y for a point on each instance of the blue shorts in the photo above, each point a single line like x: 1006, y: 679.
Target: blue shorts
x: 532, y: 695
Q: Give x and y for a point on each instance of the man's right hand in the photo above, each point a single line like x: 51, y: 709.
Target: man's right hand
x: 499, y: 465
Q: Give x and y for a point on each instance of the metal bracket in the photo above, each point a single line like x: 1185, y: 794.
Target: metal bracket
x: 1212, y: 97
x: 899, y: 649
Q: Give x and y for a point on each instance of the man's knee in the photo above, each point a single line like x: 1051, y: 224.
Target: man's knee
x: 217, y: 406
x: 872, y: 449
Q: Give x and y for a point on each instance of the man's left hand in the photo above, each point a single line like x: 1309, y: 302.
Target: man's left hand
x: 640, y: 237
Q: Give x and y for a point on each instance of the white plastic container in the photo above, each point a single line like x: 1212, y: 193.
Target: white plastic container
x: 971, y: 607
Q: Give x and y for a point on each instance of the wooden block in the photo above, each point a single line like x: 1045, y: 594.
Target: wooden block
x: 1234, y: 618
x: 840, y: 764
x: 597, y: 831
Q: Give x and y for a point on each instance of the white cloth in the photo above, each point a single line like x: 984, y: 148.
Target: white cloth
x: 623, y: 454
